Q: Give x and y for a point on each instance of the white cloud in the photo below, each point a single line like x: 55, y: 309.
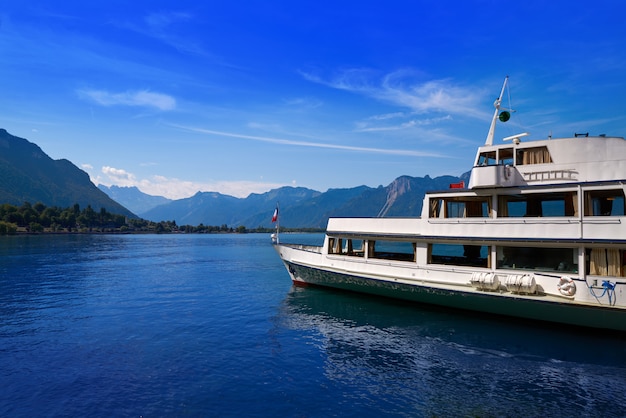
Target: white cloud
x: 174, y: 188
x: 119, y: 177
x: 404, y: 88
x: 431, y: 96
x: 142, y: 98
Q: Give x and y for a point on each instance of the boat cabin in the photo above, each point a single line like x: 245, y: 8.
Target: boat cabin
x: 523, y: 202
x: 551, y: 161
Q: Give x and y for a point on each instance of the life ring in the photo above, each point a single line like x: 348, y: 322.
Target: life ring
x: 566, y: 286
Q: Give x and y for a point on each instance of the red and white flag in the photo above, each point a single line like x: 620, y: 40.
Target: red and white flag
x: 275, y: 215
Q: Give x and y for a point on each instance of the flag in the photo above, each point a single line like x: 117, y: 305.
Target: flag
x: 275, y: 215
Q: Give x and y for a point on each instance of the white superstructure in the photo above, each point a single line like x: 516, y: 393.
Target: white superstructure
x: 539, y: 233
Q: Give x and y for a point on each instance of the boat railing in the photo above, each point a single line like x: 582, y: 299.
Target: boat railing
x: 302, y: 247
x: 596, y: 220
x: 549, y: 175
x: 602, y: 220
x: 506, y: 220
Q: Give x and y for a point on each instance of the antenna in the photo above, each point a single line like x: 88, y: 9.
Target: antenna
x: 515, y: 138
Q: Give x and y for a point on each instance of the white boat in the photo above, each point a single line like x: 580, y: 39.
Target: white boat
x: 538, y: 233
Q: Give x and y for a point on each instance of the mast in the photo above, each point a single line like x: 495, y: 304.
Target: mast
x: 496, y: 104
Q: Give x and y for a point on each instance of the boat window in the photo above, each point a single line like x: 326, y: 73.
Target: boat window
x: 487, y: 158
x: 529, y: 205
x: 345, y: 246
x: 606, y: 262
x: 505, y: 156
x: 604, y: 203
x: 460, y: 207
x: 334, y: 245
x: 459, y: 255
x: 533, y: 258
x: 434, y: 210
x: 536, y: 155
x: 392, y: 250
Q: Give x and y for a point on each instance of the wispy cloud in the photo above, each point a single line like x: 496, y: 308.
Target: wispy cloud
x: 160, y: 25
x: 361, y: 80
x: 174, y: 188
x: 404, y: 88
x: 303, y: 103
x: 436, y: 95
x: 165, y: 26
x: 142, y: 98
x: 387, y: 116
x: 290, y: 142
x: 413, y: 123
x: 162, y: 20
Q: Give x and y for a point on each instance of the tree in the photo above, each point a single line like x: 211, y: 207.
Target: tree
x: 28, y: 214
x: 39, y: 207
x: 88, y: 217
x: 67, y: 219
x: 49, y: 216
x: 7, y: 228
x: 35, y: 227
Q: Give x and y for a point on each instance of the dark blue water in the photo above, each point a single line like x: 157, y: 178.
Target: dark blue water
x: 209, y: 325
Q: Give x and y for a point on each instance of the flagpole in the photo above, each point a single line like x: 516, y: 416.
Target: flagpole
x: 277, y: 222
x: 276, y: 219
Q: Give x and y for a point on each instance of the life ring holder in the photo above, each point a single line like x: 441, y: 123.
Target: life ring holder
x: 566, y: 286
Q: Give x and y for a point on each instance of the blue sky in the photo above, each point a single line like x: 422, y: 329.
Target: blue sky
x: 176, y: 97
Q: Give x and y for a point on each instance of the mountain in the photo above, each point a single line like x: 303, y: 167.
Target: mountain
x: 211, y: 208
x: 301, y: 207
x: 30, y: 175
x: 198, y: 209
x: 133, y: 198
x: 405, y: 194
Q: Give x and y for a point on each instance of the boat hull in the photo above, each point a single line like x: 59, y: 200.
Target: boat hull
x: 519, y: 306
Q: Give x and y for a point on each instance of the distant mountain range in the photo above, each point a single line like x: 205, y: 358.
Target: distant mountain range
x: 133, y: 198
x: 299, y: 207
x: 28, y: 175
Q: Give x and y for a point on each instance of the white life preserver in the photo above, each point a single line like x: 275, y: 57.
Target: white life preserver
x: 566, y: 286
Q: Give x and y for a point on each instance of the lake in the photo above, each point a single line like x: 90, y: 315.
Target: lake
x: 210, y: 325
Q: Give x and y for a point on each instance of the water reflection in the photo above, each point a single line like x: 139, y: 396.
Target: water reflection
x: 431, y: 361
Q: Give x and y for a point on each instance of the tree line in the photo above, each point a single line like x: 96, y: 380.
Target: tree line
x: 39, y: 218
